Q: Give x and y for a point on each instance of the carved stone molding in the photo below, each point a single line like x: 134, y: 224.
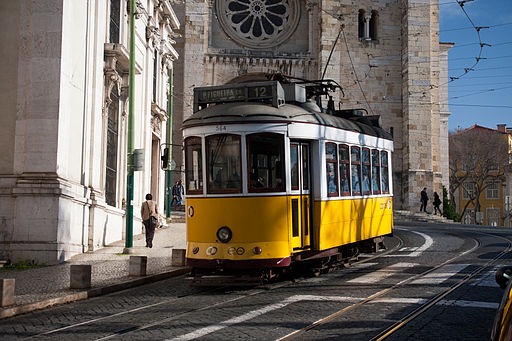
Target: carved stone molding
x: 152, y: 34
x: 158, y: 116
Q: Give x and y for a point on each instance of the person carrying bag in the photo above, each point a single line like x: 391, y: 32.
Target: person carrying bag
x: 149, y: 215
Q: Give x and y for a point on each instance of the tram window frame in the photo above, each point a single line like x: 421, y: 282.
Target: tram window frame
x: 344, y: 169
x: 366, y: 181
x: 355, y: 170
x: 305, y: 167
x: 225, y: 169
x: 294, y: 166
x: 384, y: 167
x: 375, y: 171
x: 194, y: 165
x: 331, y: 168
x: 265, y: 162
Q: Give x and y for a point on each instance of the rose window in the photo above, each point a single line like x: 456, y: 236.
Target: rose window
x: 258, y: 23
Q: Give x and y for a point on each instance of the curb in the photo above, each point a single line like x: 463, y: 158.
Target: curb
x: 83, y: 295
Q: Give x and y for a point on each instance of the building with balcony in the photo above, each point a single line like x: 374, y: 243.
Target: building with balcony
x: 63, y: 121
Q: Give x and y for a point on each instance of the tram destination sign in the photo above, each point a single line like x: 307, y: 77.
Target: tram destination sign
x: 246, y: 92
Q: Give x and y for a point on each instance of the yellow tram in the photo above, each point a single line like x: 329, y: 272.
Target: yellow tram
x: 273, y: 181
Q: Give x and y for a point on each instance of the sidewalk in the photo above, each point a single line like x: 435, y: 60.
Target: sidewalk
x: 42, y: 287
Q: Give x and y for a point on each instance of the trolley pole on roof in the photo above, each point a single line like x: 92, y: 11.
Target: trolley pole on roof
x: 130, y: 158
x: 168, y: 178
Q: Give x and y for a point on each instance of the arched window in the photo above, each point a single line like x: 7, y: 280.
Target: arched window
x: 373, y: 25
x: 361, y: 24
x: 367, y: 25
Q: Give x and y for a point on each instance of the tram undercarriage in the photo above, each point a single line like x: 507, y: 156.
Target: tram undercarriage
x: 303, y: 264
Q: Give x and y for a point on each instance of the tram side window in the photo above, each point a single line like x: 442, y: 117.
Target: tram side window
x: 331, y: 159
x: 355, y: 168
x: 375, y: 172
x: 194, y: 166
x: 265, y: 162
x: 294, y: 166
x: 344, y: 170
x: 223, y: 162
x: 384, y: 171
x: 366, y: 182
x: 305, y: 166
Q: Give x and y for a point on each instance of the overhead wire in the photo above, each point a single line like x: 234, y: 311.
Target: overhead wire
x: 357, y: 80
x: 470, y: 68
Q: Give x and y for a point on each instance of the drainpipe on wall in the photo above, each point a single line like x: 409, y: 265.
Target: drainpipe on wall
x: 129, y: 178
x: 168, y: 179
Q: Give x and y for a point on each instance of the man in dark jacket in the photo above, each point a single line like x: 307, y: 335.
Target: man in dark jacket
x: 177, y: 193
x: 424, y: 200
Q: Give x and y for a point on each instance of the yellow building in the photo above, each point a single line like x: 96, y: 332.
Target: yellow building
x: 480, y: 175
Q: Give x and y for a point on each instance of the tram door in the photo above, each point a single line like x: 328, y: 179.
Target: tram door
x: 300, y: 200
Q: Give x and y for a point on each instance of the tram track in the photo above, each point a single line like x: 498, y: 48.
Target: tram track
x: 424, y: 307
x: 204, y: 290
x: 174, y: 301
x: 138, y: 325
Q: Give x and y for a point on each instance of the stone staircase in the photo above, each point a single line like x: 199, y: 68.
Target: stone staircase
x: 177, y: 214
x: 401, y: 216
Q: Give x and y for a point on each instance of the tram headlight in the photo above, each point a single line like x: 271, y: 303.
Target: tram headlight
x: 257, y: 250
x: 210, y: 251
x: 224, y: 234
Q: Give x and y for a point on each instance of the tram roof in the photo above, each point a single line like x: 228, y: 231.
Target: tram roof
x: 253, y: 112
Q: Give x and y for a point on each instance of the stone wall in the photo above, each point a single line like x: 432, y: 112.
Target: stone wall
x: 394, y: 74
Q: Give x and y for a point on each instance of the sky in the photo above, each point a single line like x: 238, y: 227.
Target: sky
x: 480, y: 62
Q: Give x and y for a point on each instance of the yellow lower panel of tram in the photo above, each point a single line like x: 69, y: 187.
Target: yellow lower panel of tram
x: 340, y: 222
x: 255, y: 222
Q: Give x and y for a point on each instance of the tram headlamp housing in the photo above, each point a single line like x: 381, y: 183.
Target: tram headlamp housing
x: 224, y: 234
x: 212, y: 250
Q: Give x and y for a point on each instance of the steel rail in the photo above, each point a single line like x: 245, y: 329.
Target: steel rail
x: 375, y: 296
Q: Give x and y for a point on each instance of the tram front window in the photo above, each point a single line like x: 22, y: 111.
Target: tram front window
x: 224, y: 167
x: 194, y: 169
x: 265, y: 162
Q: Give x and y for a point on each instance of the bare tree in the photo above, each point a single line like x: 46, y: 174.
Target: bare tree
x: 478, y: 157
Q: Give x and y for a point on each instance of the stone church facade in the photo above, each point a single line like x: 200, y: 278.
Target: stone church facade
x: 385, y: 54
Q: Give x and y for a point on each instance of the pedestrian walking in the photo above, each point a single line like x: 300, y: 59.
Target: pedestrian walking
x: 437, y: 202
x: 177, y: 193
x: 424, y: 200
x: 149, y: 215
